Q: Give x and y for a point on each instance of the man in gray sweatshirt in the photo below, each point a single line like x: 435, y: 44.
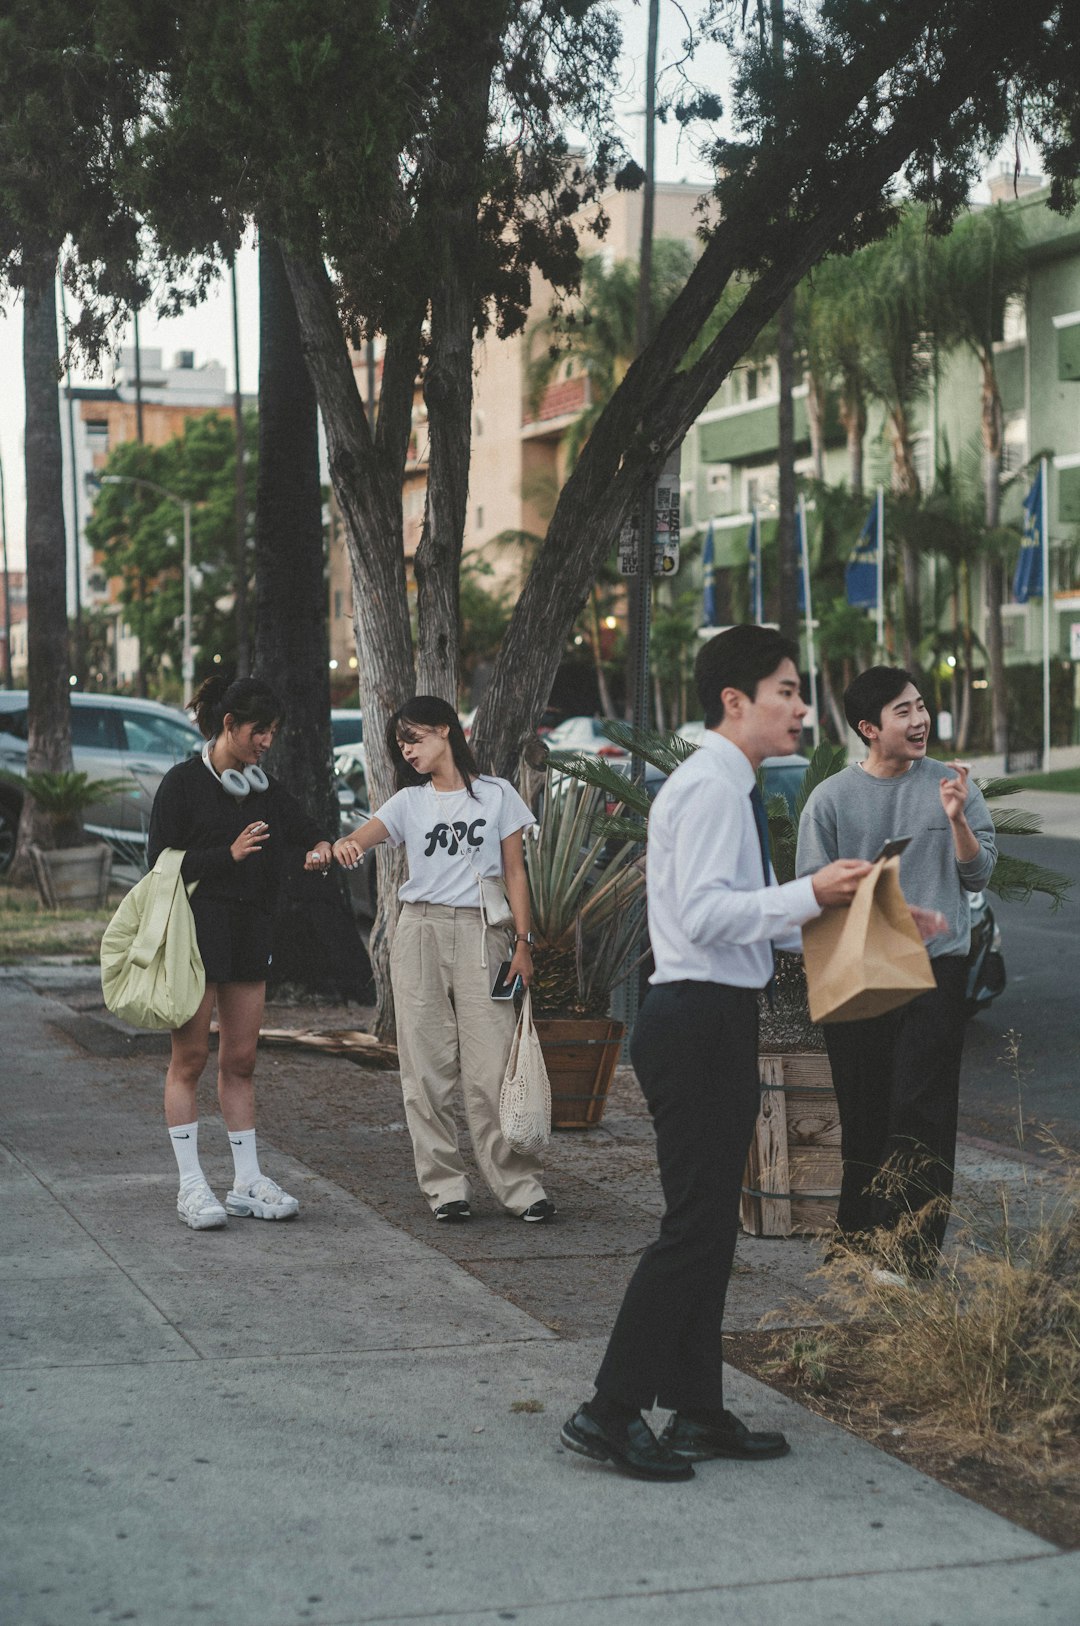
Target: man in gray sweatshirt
x: 897, y: 1076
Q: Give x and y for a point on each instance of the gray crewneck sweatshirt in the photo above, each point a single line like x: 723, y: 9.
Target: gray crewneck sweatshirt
x: 854, y: 813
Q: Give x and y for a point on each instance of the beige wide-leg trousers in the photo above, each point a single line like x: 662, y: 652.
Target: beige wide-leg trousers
x: 451, y: 1031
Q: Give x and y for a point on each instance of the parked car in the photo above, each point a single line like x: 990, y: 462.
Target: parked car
x: 346, y: 727
x: 585, y: 734
x: 113, y: 737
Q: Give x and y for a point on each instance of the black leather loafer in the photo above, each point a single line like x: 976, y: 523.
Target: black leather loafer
x: 631, y: 1447
x: 699, y: 1442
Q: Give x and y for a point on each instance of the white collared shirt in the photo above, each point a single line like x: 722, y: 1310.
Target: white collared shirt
x: 711, y: 918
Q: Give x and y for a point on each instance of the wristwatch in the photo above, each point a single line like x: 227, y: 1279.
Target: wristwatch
x: 524, y: 937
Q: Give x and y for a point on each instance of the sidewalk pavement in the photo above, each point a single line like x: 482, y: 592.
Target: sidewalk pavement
x: 315, y: 1422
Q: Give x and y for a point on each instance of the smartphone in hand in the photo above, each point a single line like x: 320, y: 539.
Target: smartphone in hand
x: 501, y: 988
x: 893, y: 849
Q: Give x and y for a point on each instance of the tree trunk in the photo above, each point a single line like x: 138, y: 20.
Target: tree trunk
x: 815, y: 417
x: 366, y: 474
x: 853, y: 418
x: 905, y: 484
x: 317, y: 943
x: 832, y: 705
x: 785, y: 539
x: 49, y: 740
x: 992, y: 433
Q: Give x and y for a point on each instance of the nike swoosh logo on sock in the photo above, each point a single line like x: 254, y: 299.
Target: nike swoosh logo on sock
x: 235, y: 1142
x: 181, y: 1137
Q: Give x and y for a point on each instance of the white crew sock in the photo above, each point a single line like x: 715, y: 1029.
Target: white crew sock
x: 245, y: 1158
x: 185, y: 1143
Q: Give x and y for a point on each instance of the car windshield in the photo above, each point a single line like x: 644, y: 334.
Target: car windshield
x: 159, y: 736
x: 348, y: 730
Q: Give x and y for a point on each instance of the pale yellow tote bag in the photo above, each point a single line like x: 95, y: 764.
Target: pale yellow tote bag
x: 151, y: 971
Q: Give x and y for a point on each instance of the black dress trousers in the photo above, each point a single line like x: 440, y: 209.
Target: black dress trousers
x: 695, y: 1053
x: 897, y: 1081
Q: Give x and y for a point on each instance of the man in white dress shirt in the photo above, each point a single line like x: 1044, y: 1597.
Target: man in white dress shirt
x: 715, y: 917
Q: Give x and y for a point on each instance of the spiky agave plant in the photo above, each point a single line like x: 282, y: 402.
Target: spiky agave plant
x: 587, y: 894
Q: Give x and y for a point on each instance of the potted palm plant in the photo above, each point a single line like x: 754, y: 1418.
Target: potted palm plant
x: 69, y: 868
x: 587, y: 893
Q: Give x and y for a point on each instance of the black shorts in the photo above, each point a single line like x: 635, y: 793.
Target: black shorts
x: 236, y: 940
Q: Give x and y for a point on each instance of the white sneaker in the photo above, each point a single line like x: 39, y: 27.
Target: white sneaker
x: 263, y: 1200
x: 198, y: 1207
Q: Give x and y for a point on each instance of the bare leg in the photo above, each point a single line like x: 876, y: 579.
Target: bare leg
x: 240, y: 1012
x: 190, y: 1048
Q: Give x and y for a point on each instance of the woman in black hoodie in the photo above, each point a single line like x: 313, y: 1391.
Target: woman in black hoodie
x: 236, y: 826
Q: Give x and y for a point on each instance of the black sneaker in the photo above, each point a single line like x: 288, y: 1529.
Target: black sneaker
x: 453, y: 1213
x: 540, y: 1213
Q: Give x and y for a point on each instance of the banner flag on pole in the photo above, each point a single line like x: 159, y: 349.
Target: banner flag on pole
x: 1028, y: 581
x: 708, y: 580
x: 861, y: 572
x: 753, y: 553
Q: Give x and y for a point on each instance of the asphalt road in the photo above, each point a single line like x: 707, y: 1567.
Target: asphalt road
x: 1041, y: 1006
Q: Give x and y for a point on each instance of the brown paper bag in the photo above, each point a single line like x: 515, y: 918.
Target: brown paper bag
x: 868, y: 959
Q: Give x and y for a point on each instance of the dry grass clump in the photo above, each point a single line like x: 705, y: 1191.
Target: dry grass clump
x: 985, y: 1356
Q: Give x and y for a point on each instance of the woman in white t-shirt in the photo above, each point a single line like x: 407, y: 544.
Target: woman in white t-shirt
x: 458, y: 826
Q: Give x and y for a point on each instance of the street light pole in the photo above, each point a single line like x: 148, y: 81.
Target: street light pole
x: 187, y: 658
x: 187, y: 662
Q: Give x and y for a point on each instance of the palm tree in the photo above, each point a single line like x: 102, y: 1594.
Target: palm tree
x: 600, y: 336
x: 898, y: 293
x: 982, y: 265
x: 834, y: 335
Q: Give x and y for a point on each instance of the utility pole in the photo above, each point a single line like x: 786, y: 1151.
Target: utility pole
x: 641, y: 580
x: 785, y: 360
x: 7, y: 583
x: 78, y: 661
x: 140, y: 683
x: 243, y: 656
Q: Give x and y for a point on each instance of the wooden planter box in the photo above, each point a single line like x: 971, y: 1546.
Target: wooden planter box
x: 792, y: 1182
x: 580, y: 1055
x: 72, y: 876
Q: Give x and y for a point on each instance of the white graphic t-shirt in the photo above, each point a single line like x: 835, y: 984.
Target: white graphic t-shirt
x: 451, y: 837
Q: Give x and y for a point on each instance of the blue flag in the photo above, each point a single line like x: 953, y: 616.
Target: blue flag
x: 861, y: 573
x: 1028, y: 582
x: 753, y: 554
x: 708, y: 580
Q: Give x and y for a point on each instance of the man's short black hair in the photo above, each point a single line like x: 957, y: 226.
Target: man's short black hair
x: 871, y: 691
x: 738, y: 659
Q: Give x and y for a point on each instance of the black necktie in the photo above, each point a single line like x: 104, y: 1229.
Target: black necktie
x: 762, y: 821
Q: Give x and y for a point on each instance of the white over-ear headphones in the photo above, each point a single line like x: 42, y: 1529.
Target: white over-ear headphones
x: 232, y: 780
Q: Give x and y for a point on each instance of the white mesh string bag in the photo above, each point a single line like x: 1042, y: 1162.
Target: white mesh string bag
x: 525, y: 1098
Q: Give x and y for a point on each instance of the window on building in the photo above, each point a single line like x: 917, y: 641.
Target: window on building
x: 751, y: 383
x: 97, y: 435
x: 1014, y: 443
x: 1068, y: 346
x: 1014, y: 322
x: 480, y: 516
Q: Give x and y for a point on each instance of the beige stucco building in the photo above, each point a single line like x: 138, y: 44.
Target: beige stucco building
x: 517, y: 464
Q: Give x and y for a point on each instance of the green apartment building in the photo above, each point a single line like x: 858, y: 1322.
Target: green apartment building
x: 729, y: 465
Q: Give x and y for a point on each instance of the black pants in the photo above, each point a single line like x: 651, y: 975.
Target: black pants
x: 695, y: 1053
x: 897, y: 1080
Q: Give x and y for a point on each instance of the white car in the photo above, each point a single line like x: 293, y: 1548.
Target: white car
x: 585, y: 734
x: 112, y: 737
